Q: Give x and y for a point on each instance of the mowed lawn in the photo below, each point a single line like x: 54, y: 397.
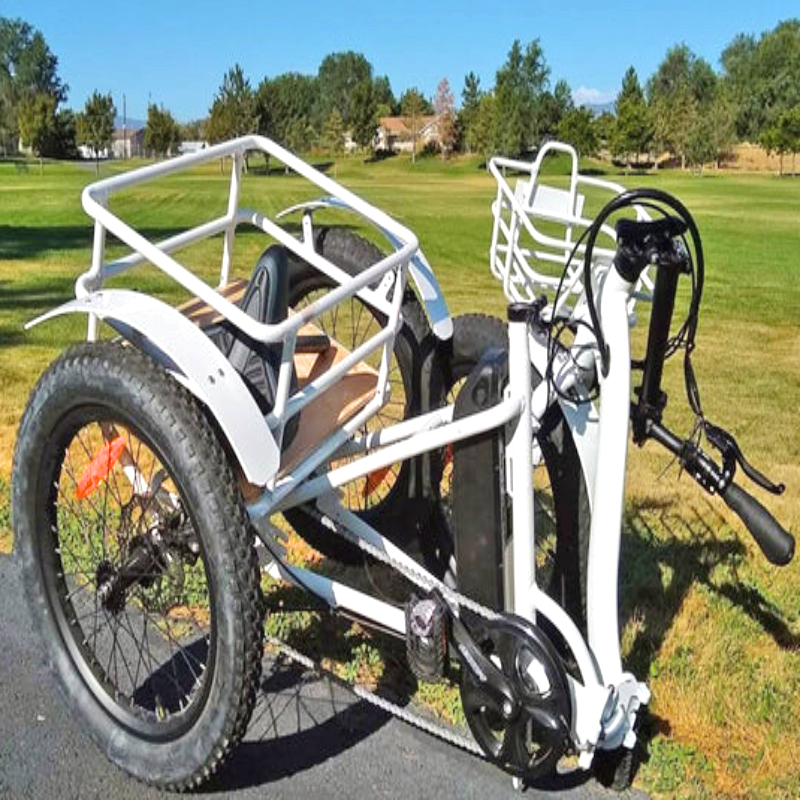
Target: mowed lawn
x: 713, y: 628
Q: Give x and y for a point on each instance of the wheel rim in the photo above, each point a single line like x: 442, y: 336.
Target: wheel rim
x: 351, y: 323
x: 125, y: 574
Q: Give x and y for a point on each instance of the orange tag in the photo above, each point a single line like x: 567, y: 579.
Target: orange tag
x: 97, y: 469
x: 448, y: 456
x: 374, y: 480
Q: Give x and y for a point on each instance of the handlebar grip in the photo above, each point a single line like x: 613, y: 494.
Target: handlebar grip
x: 776, y: 544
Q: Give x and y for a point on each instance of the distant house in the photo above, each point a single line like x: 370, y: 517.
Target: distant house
x: 128, y: 143
x: 87, y: 152
x: 350, y: 144
x: 191, y: 147
x: 394, y: 135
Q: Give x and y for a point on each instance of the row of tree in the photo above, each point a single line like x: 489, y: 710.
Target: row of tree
x: 685, y: 108
x: 304, y: 111
x: 694, y: 113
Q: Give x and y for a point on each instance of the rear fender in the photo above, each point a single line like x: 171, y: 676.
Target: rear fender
x: 184, y: 350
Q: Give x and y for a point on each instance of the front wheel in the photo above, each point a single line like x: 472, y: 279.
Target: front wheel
x: 138, y: 563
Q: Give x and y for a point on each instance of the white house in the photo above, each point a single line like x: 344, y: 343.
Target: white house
x: 191, y: 147
x: 393, y: 134
x: 128, y: 142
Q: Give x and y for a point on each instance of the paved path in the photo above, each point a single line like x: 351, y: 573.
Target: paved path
x: 308, y: 738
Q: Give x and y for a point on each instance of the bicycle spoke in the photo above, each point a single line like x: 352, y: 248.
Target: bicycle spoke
x: 99, y: 537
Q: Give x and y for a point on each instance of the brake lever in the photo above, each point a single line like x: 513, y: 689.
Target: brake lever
x: 732, y: 455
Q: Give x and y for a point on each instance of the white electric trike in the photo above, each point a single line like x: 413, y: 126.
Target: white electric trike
x: 481, y: 462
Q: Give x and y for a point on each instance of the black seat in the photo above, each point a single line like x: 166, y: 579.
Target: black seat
x: 266, y: 300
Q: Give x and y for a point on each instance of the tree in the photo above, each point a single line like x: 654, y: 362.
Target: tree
x: 96, y: 124
x: 519, y: 84
x: 384, y: 96
x: 700, y: 148
x: 633, y: 131
x: 554, y: 106
x: 789, y: 123
x: 482, y: 136
x: 27, y: 68
x: 631, y: 91
x: 364, y: 109
x: 674, y: 118
x: 444, y: 106
x: 337, y: 78
x: 413, y: 108
x: 739, y: 74
x: 605, y: 126
x: 64, y: 143
x: 333, y: 134
x: 577, y: 127
x: 470, y: 100
x: 783, y: 136
x: 772, y: 141
x: 682, y: 88
x: 762, y: 78
x: 234, y: 111
x: 37, y: 123
x: 284, y: 106
x: 722, y: 127
x: 194, y: 130
x: 161, y: 133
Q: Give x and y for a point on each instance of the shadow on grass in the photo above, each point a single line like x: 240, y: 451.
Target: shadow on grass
x: 268, y: 170
x: 665, y: 552
x: 19, y: 242
x: 656, y: 539
x: 27, y: 297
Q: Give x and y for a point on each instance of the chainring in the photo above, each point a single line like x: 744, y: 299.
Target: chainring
x: 529, y: 744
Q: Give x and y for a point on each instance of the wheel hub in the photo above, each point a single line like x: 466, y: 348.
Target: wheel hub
x: 139, y: 567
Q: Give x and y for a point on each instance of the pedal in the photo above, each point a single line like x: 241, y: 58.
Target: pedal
x: 427, y: 621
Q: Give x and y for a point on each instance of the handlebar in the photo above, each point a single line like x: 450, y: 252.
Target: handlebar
x: 776, y: 544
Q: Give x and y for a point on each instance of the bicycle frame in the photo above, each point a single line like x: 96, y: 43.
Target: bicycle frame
x: 598, y: 660
x: 605, y: 699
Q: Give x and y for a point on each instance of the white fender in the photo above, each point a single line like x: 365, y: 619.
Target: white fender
x: 183, y: 349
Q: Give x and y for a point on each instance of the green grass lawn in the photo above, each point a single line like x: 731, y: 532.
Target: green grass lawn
x: 714, y: 629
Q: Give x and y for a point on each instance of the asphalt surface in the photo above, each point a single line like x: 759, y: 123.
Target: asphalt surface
x: 309, y: 738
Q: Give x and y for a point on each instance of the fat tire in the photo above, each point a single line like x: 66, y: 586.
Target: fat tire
x: 138, y: 391
x: 473, y: 335
x: 402, y: 513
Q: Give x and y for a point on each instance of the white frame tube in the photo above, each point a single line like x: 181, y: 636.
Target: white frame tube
x: 609, y: 485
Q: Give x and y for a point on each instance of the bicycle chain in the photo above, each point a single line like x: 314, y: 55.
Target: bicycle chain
x: 361, y: 691
x: 424, y: 581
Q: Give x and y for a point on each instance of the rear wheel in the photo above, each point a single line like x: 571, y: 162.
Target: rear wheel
x: 139, y: 563
x: 561, y: 501
x: 393, y: 499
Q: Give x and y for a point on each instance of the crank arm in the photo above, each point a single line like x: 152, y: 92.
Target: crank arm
x: 497, y: 688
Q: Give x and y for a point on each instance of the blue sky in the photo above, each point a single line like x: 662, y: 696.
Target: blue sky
x: 176, y: 53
